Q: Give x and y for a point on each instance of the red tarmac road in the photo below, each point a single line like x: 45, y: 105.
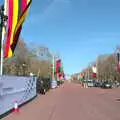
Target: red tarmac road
x: 70, y: 102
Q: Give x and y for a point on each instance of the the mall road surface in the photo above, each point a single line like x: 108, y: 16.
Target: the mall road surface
x: 71, y: 102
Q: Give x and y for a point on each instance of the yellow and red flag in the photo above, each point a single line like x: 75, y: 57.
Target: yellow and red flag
x: 17, y: 12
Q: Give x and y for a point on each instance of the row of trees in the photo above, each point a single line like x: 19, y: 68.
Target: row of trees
x: 107, y: 69
x: 34, y: 59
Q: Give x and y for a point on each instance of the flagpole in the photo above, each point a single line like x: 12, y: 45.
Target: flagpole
x: 97, y: 68
x: 53, y: 78
x: 53, y: 82
x: 1, y: 57
x: 1, y: 36
x: 3, y: 15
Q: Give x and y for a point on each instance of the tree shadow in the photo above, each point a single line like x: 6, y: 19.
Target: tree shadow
x: 118, y: 99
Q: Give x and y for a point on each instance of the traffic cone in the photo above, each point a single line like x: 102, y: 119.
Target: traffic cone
x: 16, y: 109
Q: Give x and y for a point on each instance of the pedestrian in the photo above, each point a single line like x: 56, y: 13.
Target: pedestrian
x: 43, y: 91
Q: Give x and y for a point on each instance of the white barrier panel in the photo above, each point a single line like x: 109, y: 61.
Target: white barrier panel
x: 13, y: 88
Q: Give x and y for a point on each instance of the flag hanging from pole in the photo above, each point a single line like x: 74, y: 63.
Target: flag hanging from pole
x: 58, y: 65
x: 81, y: 76
x: 17, y: 12
x: 62, y: 71
x: 54, y: 65
x: 94, y: 69
x: 118, y: 61
x: 86, y: 75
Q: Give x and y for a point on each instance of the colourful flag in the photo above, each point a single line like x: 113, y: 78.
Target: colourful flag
x: 58, y: 65
x: 61, y: 68
x: 62, y: 71
x: 94, y: 69
x: 86, y: 75
x: 54, y: 65
x: 17, y: 12
x: 80, y: 76
x: 119, y: 66
x: 83, y: 75
x: 118, y: 62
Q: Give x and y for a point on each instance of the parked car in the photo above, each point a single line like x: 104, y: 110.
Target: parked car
x: 97, y: 84
x: 90, y: 83
x: 116, y: 84
x: 106, y: 85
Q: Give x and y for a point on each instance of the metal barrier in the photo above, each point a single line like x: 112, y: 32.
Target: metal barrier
x: 14, y: 88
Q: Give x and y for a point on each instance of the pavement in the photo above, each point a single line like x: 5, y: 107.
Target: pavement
x: 71, y: 102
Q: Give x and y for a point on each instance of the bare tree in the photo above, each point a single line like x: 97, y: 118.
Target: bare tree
x: 26, y: 60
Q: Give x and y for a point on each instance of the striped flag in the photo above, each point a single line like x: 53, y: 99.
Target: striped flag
x: 17, y: 12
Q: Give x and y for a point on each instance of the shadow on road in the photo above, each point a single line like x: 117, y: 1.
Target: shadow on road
x: 118, y: 99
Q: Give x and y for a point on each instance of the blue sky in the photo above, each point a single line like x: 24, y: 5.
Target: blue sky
x: 78, y: 30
